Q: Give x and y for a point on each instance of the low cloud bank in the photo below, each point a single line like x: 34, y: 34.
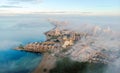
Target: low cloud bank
x: 8, y: 44
x: 16, y: 33
x: 105, y: 38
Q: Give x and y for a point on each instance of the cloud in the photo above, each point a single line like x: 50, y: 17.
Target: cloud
x: 10, y: 6
x: 7, y: 44
x: 28, y: 25
x: 22, y: 31
x: 17, y: 3
x: 21, y: 1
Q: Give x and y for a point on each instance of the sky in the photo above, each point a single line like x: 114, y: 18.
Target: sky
x: 88, y: 7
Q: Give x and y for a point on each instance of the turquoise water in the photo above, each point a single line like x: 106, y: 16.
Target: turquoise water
x: 16, y: 30
x: 23, y: 29
x: 12, y: 61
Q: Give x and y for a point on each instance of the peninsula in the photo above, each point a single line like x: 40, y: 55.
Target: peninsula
x: 61, y: 44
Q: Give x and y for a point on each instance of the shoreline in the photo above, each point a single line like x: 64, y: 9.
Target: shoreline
x: 56, y: 43
x: 62, y: 43
x: 48, y: 61
x: 45, y: 59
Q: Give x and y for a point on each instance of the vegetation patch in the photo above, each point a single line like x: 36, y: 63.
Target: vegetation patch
x: 66, y: 65
x: 21, y: 46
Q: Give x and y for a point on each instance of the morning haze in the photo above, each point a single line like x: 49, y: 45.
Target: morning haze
x: 59, y: 36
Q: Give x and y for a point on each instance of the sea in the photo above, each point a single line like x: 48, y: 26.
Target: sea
x: 26, y: 28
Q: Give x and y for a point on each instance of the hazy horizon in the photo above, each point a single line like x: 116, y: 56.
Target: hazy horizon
x: 83, y: 7
x: 14, y: 29
x: 94, y: 23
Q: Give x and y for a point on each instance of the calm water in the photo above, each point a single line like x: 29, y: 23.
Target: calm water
x: 16, y: 30
x: 22, y: 29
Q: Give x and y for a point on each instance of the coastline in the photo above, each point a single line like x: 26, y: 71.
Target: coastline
x: 47, y: 60
x: 62, y: 43
x: 55, y: 26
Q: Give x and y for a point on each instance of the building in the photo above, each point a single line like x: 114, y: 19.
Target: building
x: 67, y: 43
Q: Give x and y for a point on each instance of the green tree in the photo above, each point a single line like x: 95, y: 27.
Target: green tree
x: 21, y: 46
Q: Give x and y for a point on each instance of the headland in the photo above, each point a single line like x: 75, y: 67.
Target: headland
x: 63, y: 43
